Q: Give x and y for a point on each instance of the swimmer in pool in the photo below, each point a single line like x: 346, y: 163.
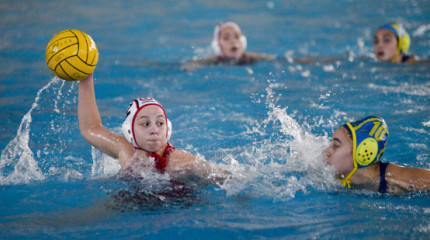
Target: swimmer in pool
x: 391, y: 43
x: 145, y: 143
x: 228, y: 46
x: 355, y: 151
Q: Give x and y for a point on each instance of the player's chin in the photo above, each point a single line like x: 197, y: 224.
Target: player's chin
x: 153, y: 145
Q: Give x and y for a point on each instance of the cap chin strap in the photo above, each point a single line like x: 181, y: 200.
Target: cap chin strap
x: 346, y: 182
x: 394, y: 59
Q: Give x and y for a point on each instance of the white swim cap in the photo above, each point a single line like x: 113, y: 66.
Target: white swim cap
x: 135, y: 106
x: 218, y: 28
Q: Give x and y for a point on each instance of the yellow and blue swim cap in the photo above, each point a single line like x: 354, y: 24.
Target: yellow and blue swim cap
x: 369, y: 139
x: 403, y: 39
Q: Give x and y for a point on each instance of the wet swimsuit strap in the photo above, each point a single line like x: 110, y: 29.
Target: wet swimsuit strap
x: 405, y: 58
x: 160, y: 162
x: 382, y: 183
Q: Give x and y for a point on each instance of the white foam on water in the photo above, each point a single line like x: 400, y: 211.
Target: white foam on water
x: 421, y: 30
x: 406, y: 88
x: 103, y: 165
x: 288, y: 160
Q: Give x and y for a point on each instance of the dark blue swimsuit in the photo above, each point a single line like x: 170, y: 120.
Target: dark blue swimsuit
x: 383, y: 183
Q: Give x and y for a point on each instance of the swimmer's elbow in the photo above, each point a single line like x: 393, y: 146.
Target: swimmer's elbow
x: 88, y: 132
x: 85, y: 133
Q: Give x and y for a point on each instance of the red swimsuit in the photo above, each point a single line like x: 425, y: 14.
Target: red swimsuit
x: 160, y: 162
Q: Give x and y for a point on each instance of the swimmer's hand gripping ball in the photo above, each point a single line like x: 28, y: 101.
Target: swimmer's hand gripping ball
x: 72, y: 55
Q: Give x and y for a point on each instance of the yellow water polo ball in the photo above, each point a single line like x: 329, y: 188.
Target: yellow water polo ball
x: 72, y: 55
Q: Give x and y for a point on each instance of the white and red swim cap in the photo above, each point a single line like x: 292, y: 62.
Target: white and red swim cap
x: 135, y: 106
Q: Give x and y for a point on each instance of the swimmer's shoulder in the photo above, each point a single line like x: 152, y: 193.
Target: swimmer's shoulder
x: 129, y: 155
x: 179, y: 155
x: 195, y: 64
x: 181, y: 163
x: 258, y: 56
x: 407, y: 179
x: 411, y: 59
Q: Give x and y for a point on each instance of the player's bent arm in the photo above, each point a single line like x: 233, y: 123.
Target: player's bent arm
x: 91, y: 127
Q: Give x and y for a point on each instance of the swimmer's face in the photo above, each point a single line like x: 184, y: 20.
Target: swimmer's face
x: 150, y: 129
x: 230, y: 43
x: 339, y: 152
x: 385, y: 45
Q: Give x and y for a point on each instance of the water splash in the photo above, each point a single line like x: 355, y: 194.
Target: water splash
x: 287, y: 160
x: 17, y: 163
x: 420, y: 31
x: 103, y: 165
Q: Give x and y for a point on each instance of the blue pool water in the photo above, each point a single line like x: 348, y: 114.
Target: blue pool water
x: 267, y: 123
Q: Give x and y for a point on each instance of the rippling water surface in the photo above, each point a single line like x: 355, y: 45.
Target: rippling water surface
x: 267, y: 123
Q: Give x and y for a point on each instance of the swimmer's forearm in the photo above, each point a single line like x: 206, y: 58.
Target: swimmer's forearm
x: 88, y: 113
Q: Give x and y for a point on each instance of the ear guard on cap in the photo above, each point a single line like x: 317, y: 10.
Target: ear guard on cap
x: 366, y: 152
x: 369, y: 139
x: 403, y: 36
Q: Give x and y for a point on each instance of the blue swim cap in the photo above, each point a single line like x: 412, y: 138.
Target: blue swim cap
x: 369, y: 139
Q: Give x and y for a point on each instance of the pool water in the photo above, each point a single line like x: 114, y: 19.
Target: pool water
x: 267, y: 123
